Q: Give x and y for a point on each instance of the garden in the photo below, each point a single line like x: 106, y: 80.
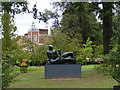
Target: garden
x: 95, y: 44
x: 34, y: 78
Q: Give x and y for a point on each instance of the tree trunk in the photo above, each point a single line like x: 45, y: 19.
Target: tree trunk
x: 107, y: 26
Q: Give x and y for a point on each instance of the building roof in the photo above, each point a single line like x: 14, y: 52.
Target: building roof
x: 33, y: 28
x: 43, y: 29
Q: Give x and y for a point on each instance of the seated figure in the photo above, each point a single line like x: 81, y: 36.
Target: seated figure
x: 57, y: 58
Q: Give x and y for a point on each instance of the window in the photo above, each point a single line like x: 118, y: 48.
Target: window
x: 35, y: 37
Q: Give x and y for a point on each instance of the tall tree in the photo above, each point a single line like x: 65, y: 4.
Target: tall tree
x: 106, y: 14
x: 107, y: 26
x: 6, y: 45
x: 9, y: 9
x: 14, y: 7
x: 78, y: 21
x: 8, y: 30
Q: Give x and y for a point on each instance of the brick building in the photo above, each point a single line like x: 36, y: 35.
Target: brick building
x: 37, y: 36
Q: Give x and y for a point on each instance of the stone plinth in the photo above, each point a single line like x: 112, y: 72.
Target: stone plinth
x: 62, y: 71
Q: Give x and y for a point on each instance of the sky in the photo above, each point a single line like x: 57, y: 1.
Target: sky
x: 24, y: 21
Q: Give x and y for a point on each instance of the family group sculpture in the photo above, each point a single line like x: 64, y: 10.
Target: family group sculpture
x: 55, y: 57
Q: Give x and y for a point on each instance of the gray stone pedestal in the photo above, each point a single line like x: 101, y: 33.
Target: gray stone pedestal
x: 62, y: 71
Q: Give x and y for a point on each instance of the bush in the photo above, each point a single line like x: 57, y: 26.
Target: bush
x: 7, y: 69
x: 85, y: 52
x: 60, y: 40
x: 38, y: 55
x: 8, y: 75
x: 111, y: 66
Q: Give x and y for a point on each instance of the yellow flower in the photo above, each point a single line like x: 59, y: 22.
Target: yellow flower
x: 23, y: 64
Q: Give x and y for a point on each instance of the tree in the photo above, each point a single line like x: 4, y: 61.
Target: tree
x: 14, y: 7
x: 116, y: 28
x: 105, y: 14
x: 6, y: 49
x: 79, y: 22
x: 87, y: 26
x: 8, y: 30
x: 59, y: 40
x: 85, y: 52
x: 107, y: 26
x: 38, y: 56
x: 9, y: 9
x: 112, y: 65
x: 35, y: 53
x: 29, y: 44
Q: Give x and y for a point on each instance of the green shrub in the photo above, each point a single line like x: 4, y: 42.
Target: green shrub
x: 111, y: 66
x: 8, y: 74
x: 85, y: 52
x: 7, y: 69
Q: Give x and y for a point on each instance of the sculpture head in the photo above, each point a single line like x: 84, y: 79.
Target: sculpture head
x: 50, y: 47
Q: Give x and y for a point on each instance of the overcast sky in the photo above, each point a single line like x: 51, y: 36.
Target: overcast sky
x: 24, y: 21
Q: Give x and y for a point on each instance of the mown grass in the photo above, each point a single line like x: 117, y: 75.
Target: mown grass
x: 29, y: 69
x: 34, y: 78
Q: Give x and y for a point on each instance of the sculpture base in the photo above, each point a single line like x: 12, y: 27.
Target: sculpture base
x: 62, y: 71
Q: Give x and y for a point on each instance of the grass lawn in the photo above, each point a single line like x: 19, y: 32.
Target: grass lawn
x: 34, y: 78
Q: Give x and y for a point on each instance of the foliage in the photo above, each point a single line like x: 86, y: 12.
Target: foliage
x: 116, y: 28
x: 85, y: 52
x: 106, y: 15
x: 38, y: 56
x: 20, y: 54
x: 9, y: 9
x: 98, y: 51
x: 29, y: 44
x: 76, y: 24
x: 61, y: 41
x: 112, y: 60
x: 112, y: 65
x: 79, y: 25
x: 14, y: 8
x: 79, y: 17
x: 7, y: 71
x: 8, y: 30
x: 77, y: 20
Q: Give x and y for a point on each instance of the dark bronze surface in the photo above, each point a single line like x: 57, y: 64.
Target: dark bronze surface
x: 57, y: 58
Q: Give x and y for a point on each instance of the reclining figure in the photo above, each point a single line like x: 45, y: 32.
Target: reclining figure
x: 57, y: 58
